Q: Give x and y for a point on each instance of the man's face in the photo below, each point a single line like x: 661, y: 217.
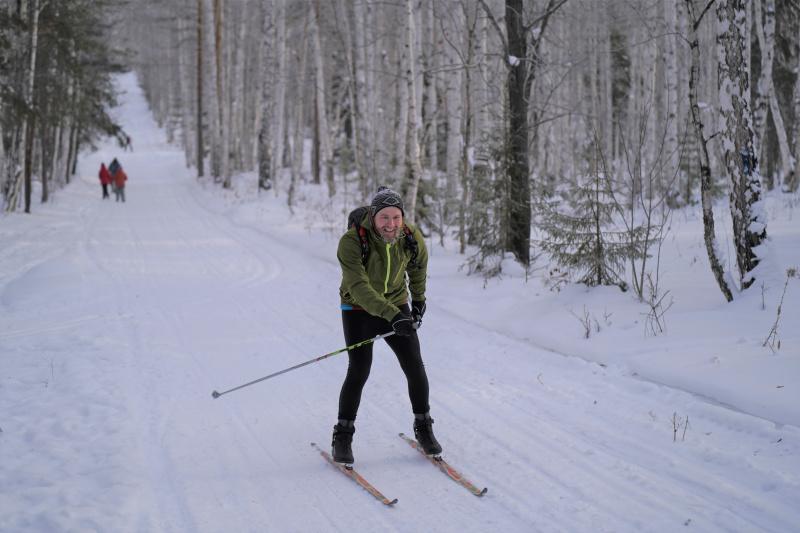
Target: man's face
x: 388, y: 222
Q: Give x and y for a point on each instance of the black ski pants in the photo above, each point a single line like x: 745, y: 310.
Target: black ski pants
x: 360, y: 325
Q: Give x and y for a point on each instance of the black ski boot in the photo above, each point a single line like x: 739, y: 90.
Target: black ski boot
x: 423, y: 431
x: 342, y: 450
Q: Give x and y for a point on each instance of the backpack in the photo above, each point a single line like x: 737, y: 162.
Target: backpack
x: 354, y: 221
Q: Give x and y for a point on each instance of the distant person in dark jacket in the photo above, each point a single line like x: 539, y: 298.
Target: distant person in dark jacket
x: 105, y: 179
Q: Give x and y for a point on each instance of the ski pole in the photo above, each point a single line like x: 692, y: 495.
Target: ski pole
x: 216, y: 394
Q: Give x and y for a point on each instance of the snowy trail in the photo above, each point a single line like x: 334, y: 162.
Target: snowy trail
x: 117, y: 321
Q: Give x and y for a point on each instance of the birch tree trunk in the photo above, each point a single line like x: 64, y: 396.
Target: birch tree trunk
x: 299, y: 119
x: 237, y: 92
x: 362, y: 126
x: 73, y: 133
x: 466, y: 125
x: 709, y: 235
x: 741, y: 164
x: 792, y: 180
x: 414, y: 165
x: 26, y: 136
x: 671, y: 146
x: 225, y: 100
x: 58, y: 151
x: 29, y: 104
x: 183, y: 108
x: 787, y: 161
x: 3, y: 164
x: 219, y: 160
x: 46, y: 136
x: 279, y: 109
x: 764, y: 85
x: 200, y: 145
x: 766, y: 97
x: 355, y: 114
x: 400, y: 132
x: 265, y: 141
x: 322, y: 133
x: 214, y: 111
x: 453, y: 104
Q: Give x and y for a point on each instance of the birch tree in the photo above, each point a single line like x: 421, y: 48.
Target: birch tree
x: 412, y: 158
x: 709, y: 233
x: 265, y: 138
x: 766, y: 97
x: 792, y: 180
x: 322, y: 142
x: 741, y: 163
x: 199, y: 140
x: 29, y: 123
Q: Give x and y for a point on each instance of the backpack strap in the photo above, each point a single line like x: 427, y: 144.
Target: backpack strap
x: 411, y: 245
x: 364, y: 240
x: 354, y: 221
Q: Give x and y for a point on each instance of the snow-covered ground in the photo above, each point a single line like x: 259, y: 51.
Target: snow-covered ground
x: 118, y: 320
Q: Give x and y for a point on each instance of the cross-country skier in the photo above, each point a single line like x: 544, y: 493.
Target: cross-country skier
x: 382, y: 260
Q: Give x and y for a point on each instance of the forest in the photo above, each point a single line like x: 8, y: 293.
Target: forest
x: 572, y: 128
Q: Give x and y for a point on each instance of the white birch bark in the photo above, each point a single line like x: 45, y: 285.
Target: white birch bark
x: 224, y: 72
x: 323, y: 133
x: 467, y: 123
x: 238, y: 90
x: 279, y: 110
x: 375, y: 117
x: 27, y: 139
x: 184, y: 70
x: 483, y: 123
x: 454, y: 101
x: 348, y: 37
x: 749, y: 223
x: 298, y: 141
x: 413, y: 157
x: 431, y: 46
x: 400, y: 133
x: 709, y: 234
x: 765, y: 31
x: 363, y: 130
x: 211, y: 90
x: 671, y: 78
x: 766, y: 95
x: 792, y: 180
x: 16, y: 186
x: 265, y: 124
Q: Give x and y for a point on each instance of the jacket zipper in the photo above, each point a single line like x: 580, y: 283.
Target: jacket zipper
x: 388, y: 269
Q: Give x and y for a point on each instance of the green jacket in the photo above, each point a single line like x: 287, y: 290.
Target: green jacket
x: 380, y: 286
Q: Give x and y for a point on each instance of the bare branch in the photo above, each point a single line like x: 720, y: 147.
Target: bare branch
x: 496, y: 26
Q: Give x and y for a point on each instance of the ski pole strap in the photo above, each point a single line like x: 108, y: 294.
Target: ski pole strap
x: 216, y: 394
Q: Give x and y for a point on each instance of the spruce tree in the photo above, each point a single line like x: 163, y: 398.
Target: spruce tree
x: 579, y: 234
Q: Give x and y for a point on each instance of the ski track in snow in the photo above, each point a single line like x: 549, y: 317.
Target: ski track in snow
x: 117, y: 321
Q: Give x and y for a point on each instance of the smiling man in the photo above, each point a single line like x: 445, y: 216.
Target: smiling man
x: 383, y: 259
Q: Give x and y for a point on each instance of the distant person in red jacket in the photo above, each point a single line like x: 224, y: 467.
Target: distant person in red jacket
x: 119, y: 183
x: 105, y: 179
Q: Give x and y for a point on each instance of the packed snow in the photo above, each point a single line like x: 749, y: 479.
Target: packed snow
x: 118, y: 320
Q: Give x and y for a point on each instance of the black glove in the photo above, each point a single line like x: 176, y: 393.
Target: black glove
x: 417, y: 310
x: 403, y: 324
